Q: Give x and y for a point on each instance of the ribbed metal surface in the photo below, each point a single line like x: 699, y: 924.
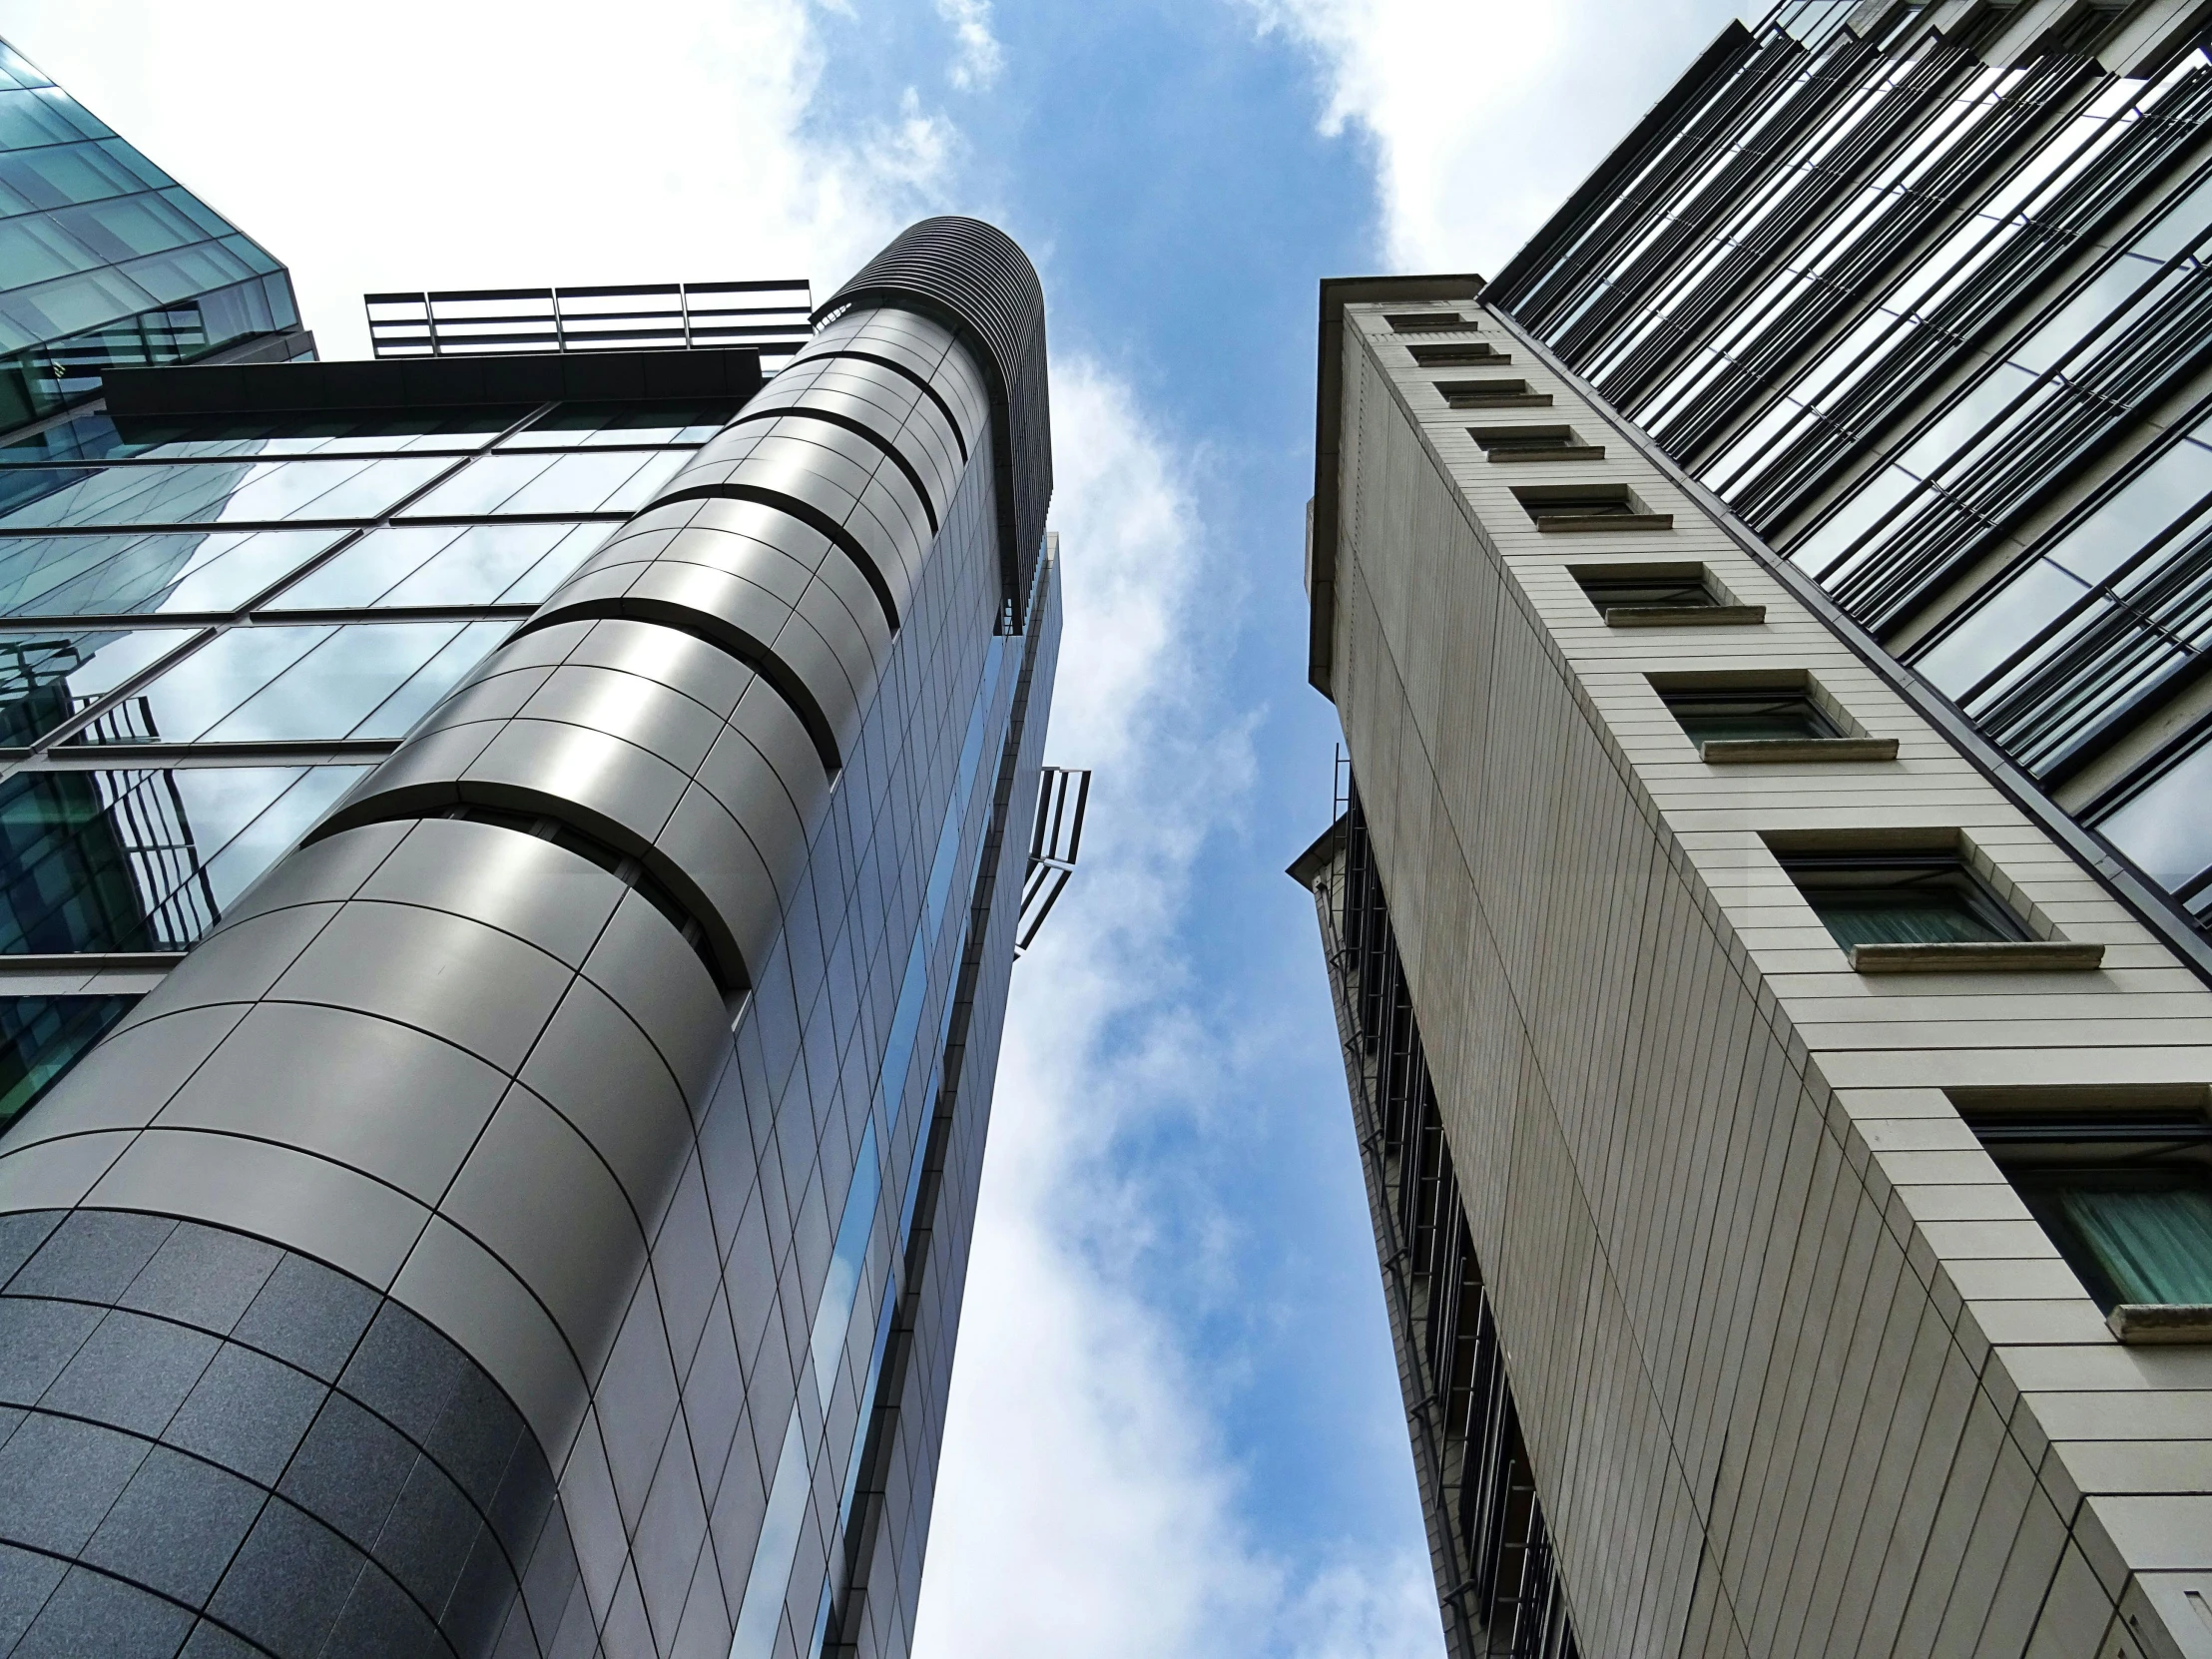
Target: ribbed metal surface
x: 971, y: 274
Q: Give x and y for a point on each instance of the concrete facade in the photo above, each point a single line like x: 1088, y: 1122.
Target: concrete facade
x: 1795, y: 1369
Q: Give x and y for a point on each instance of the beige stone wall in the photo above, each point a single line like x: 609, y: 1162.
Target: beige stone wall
x: 1799, y: 1374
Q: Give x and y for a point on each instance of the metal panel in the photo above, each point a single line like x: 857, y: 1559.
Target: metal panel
x: 321, y: 1209
x: 369, y: 1093
x: 521, y: 885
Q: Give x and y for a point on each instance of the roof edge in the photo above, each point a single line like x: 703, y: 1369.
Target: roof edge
x: 1321, y: 516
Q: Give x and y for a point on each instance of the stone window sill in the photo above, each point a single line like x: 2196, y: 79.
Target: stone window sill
x: 1684, y: 616
x: 1997, y: 956
x: 2148, y: 1324
x: 1753, y: 751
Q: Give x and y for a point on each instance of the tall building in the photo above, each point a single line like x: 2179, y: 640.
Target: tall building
x: 1766, y: 906
x: 106, y: 261
x: 510, y: 863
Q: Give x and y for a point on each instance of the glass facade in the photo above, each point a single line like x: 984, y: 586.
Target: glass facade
x: 1930, y: 324
x: 213, y: 631
x: 105, y: 260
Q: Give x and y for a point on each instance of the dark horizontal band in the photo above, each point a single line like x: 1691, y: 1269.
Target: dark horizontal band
x: 813, y: 517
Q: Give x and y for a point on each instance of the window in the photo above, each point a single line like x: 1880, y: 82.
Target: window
x: 1571, y: 507
x: 1474, y: 354
x: 1736, y: 716
x: 1492, y: 394
x: 1534, y: 443
x: 1426, y: 323
x: 2125, y: 1194
x: 1748, y: 713
x: 1866, y: 897
x: 1661, y: 595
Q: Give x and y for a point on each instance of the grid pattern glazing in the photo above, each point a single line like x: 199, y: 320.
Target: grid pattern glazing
x: 208, y: 632
x: 1926, y: 310
x: 105, y: 260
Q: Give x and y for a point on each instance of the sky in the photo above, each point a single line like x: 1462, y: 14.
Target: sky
x: 1175, y: 1426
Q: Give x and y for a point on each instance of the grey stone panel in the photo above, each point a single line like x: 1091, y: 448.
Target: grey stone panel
x: 357, y: 1224
x: 460, y: 1283
x: 413, y: 1502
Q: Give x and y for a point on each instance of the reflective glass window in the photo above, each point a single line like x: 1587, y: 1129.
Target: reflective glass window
x: 480, y: 564
x: 46, y: 678
x: 429, y: 429
x: 576, y: 425
x: 583, y: 482
x: 2167, y: 828
x: 165, y: 571
x: 145, y: 859
x: 214, y: 493
x: 258, y: 685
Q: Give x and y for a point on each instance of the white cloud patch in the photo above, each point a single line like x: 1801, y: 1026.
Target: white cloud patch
x: 1086, y: 1506
x: 566, y: 144
x: 1485, y: 115
x: 978, y: 57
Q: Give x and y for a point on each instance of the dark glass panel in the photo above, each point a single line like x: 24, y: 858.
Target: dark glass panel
x: 2132, y: 1236
x: 40, y: 1037
x: 144, y: 860
x: 1728, y: 716
x: 44, y: 679
x: 1902, y: 898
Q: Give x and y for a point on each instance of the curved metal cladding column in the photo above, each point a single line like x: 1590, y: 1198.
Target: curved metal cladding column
x: 354, y: 1292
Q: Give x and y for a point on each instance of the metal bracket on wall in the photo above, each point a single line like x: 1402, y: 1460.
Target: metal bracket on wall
x: 1064, y: 797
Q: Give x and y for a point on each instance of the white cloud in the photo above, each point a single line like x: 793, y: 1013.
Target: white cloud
x: 1085, y: 1505
x: 495, y: 144
x: 1485, y: 115
x: 980, y: 57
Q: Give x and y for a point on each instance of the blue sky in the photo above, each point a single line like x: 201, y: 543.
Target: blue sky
x: 1175, y: 1426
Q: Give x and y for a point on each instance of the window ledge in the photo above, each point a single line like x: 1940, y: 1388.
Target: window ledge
x: 1683, y: 616
x: 1580, y: 524
x: 2149, y: 1323
x: 1753, y: 751
x: 1498, y: 401
x: 18, y: 964
x: 1993, y: 956
x: 1504, y: 454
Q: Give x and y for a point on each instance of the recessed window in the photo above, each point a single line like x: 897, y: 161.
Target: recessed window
x: 1866, y: 897
x: 1472, y: 355
x: 1594, y: 507
x: 1661, y: 596
x: 1492, y: 394
x: 1534, y: 443
x: 1426, y: 323
x: 1748, y: 713
x: 2126, y: 1197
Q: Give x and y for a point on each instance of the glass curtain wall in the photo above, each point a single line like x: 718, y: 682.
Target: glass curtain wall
x: 1926, y: 310
x: 105, y: 260
x: 208, y: 632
